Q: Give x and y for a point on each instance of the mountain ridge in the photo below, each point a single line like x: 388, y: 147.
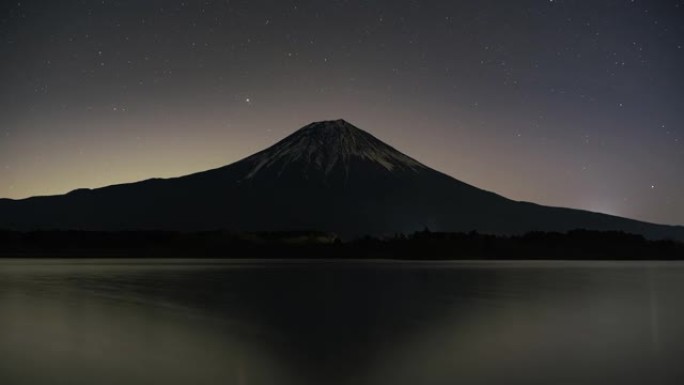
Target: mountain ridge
x: 328, y: 176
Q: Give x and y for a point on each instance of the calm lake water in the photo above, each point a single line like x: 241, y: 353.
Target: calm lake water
x: 241, y: 322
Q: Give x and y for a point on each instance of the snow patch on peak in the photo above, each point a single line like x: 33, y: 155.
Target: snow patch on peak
x: 325, y: 145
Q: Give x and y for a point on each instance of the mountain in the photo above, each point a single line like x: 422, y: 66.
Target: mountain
x: 328, y: 176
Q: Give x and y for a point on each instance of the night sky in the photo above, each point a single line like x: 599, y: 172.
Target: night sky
x: 568, y: 103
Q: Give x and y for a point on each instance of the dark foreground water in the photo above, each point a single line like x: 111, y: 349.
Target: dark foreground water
x: 214, y: 322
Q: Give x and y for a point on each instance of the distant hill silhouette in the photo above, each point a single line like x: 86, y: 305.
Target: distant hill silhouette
x: 328, y: 176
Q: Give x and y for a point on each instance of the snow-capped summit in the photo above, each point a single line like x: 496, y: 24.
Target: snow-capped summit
x: 330, y: 145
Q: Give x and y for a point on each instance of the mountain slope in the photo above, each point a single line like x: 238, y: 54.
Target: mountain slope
x: 327, y: 176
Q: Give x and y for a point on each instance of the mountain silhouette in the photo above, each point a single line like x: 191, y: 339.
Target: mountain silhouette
x: 328, y: 176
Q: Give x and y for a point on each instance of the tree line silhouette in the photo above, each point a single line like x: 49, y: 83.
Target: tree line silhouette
x: 422, y: 245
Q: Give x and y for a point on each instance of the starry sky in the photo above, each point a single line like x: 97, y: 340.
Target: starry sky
x: 567, y: 103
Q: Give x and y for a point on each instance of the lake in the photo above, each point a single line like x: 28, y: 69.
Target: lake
x: 296, y: 322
